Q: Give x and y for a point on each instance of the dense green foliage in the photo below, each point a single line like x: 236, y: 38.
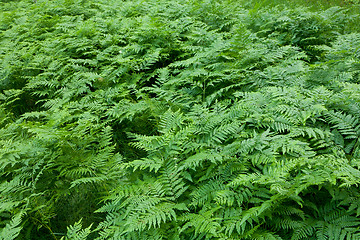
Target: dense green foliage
x: 179, y: 119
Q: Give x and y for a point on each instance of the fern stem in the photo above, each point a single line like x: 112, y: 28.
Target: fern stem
x: 46, y: 226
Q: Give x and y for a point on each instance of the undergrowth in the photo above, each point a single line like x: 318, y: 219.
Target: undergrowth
x: 179, y: 119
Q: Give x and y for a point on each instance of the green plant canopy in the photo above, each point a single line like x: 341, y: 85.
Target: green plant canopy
x: 179, y: 120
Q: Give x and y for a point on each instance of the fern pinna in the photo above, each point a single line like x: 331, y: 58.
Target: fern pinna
x: 178, y: 120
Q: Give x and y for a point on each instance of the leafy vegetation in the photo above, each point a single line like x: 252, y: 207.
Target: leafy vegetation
x: 179, y: 119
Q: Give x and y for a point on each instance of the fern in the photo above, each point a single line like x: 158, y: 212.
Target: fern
x: 178, y: 120
x: 13, y: 228
x: 76, y: 233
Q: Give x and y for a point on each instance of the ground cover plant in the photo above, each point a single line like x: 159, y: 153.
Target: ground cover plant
x: 179, y: 119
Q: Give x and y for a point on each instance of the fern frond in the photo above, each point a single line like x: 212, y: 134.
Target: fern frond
x: 13, y: 228
x: 75, y: 232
